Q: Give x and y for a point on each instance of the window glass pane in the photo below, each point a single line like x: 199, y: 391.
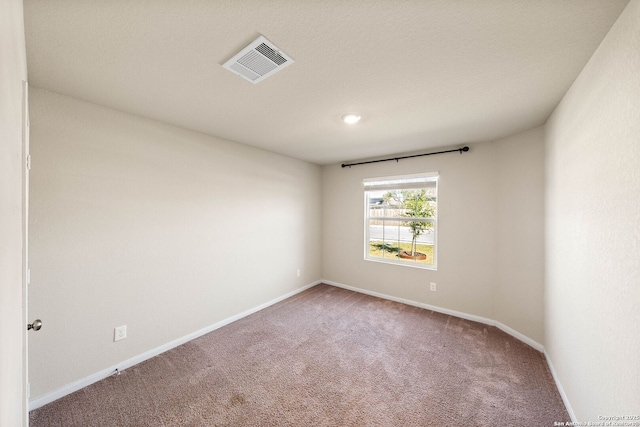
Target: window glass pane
x: 384, y: 238
x: 394, y: 240
x: 401, y: 220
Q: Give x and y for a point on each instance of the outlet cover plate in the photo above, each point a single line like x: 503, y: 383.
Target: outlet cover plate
x: 120, y: 333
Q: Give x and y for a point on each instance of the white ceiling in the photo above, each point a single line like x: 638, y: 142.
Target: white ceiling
x: 423, y: 74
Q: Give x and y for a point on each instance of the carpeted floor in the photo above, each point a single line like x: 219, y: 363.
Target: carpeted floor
x: 328, y: 357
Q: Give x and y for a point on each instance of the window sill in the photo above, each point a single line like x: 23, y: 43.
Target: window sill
x: 401, y: 263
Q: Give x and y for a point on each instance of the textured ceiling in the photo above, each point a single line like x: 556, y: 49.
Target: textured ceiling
x: 422, y: 74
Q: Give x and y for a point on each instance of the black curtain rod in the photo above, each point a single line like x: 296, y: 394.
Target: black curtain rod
x: 461, y: 150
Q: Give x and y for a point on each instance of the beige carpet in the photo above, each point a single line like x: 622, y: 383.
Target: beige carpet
x: 328, y: 357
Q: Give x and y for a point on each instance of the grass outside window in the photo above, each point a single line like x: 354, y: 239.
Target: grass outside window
x: 383, y: 250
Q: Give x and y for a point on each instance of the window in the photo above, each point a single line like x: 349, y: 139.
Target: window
x: 401, y: 219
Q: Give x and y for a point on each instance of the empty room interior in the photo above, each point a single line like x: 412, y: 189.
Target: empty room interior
x: 320, y: 212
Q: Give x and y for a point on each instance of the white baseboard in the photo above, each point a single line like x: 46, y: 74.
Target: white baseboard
x: 522, y: 337
x: 84, y: 382
x: 565, y: 399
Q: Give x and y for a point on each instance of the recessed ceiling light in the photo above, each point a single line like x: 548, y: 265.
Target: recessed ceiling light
x: 351, y: 118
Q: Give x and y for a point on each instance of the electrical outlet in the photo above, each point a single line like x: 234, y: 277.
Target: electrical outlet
x: 433, y: 286
x: 298, y: 272
x: 120, y: 333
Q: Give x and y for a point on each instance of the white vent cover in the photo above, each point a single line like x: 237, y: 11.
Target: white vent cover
x: 258, y: 60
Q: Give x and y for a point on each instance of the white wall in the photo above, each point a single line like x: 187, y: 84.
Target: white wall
x: 519, y: 301
x: 165, y: 230
x: 490, y: 232
x: 593, y: 233
x: 13, y: 71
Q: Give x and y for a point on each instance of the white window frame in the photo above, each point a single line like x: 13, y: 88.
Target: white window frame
x: 401, y: 182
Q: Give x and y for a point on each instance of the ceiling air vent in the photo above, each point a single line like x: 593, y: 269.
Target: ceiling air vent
x: 258, y: 61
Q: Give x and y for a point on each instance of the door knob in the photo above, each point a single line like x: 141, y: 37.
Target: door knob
x: 36, y: 325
